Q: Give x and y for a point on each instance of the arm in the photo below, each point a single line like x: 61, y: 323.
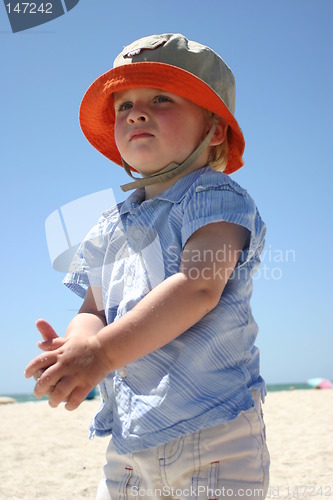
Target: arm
x: 167, y: 311
x: 181, y: 300
x: 89, y: 320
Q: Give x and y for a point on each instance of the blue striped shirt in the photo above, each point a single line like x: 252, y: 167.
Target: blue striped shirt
x: 204, y: 376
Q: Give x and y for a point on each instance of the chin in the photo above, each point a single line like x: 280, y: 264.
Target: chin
x: 149, y: 171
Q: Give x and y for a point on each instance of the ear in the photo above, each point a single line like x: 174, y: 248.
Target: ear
x: 220, y: 133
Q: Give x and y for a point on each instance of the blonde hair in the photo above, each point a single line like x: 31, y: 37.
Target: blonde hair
x: 218, y: 155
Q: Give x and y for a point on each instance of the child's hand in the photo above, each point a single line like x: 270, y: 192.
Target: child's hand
x: 51, y: 341
x: 51, y: 338
x: 49, y: 344
x: 68, y: 372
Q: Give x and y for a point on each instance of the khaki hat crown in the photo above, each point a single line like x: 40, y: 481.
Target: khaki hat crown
x: 176, y: 50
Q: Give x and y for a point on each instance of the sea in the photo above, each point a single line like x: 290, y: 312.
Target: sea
x: 27, y: 398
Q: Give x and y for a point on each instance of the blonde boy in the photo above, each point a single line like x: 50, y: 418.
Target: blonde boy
x: 166, y: 327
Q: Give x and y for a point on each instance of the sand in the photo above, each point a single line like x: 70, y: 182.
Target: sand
x: 45, y: 453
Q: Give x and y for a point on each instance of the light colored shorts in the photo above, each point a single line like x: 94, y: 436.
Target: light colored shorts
x: 229, y: 460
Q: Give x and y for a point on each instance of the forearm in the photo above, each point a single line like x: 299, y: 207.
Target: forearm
x: 91, y: 350
x: 90, y: 318
x: 166, y: 312
x: 85, y: 324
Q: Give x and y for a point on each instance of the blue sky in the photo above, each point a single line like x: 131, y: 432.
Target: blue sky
x: 281, y: 55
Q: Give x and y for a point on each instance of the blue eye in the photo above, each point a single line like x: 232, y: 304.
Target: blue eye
x: 125, y: 106
x: 162, y: 98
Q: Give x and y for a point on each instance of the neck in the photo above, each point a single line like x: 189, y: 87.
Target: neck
x: 158, y: 188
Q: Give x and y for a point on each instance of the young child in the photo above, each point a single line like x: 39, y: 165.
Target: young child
x: 166, y: 327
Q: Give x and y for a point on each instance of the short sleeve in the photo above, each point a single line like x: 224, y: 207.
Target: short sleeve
x: 219, y: 199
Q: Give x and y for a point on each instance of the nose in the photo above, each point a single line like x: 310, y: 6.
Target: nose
x: 137, y: 114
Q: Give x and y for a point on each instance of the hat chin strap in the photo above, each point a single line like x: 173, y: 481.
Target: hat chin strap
x: 171, y: 170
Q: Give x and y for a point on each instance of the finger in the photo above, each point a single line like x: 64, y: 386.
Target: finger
x: 38, y: 374
x: 51, y: 344
x: 46, y: 329
x: 78, y: 395
x: 40, y: 363
x: 61, y: 391
x: 47, y: 382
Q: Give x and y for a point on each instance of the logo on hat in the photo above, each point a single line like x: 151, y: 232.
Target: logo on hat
x: 26, y: 15
x: 133, y: 53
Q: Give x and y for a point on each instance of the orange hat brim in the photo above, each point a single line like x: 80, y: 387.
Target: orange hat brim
x: 97, y: 111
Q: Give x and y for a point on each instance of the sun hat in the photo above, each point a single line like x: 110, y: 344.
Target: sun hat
x: 168, y: 62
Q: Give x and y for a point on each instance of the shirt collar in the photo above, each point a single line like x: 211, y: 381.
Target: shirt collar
x: 174, y: 194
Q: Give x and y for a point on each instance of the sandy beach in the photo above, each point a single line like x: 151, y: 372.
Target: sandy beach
x: 46, y: 454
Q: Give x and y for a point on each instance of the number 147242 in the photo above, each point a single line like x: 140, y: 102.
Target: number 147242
x: 29, y: 8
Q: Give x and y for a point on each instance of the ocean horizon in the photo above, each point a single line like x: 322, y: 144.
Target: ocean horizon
x: 28, y: 398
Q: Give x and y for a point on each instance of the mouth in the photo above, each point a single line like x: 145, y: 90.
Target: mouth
x: 140, y: 134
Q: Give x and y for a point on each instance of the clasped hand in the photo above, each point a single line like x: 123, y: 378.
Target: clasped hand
x: 68, y: 369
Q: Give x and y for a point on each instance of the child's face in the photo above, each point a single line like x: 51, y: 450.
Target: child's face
x: 154, y: 128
